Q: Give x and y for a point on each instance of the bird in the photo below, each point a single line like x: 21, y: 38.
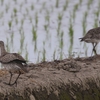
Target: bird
x: 92, y: 36
x: 12, y: 62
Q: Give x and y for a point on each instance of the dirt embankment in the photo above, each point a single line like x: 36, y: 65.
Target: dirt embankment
x: 56, y: 80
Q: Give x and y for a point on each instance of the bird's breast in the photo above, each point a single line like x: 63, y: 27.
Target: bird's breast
x: 91, y: 40
x: 10, y: 66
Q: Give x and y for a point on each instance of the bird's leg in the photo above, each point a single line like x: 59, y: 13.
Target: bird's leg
x: 16, y: 79
x: 94, y: 48
x: 10, y: 78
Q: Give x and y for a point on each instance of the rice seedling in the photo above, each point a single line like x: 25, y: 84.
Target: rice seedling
x: 61, y: 41
x: 61, y: 45
x: 57, y: 3
x: 80, y: 2
x: 2, y: 1
x: 95, y: 22
x: 12, y: 37
x: 84, y: 24
x: 44, y: 52
x: 27, y: 11
x: 46, y: 28
x: 47, y: 17
x: 22, y: 22
x: 10, y: 24
x: 54, y: 55
x: 34, y: 33
x: 7, y: 46
x: 15, y: 1
x: 7, y: 8
x: 61, y: 55
x: 58, y: 29
x: 71, y: 32
x: 26, y: 53
x: 22, y: 41
x: 36, y: 20
x: 43, y: 5
x: 1, y: 14
x: 76, y: 7
x: 65, y: 5
x: 20, y: 30
x: 38, y: 58
x: 74, y: 10
x: 15, y: 11
x: 89, y: 3
x: 96, y: 13
x: 98, y: 4
x: 44, y: 55
x: 70, y: 50
x: 35, y: 46
x: 47, y: 21
x: 32, y: 7
x: 60, y: 16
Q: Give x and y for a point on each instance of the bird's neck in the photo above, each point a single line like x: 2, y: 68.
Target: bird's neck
x: 2, y: 51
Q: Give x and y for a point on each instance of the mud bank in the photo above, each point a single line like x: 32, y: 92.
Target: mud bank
x: 68, y: 79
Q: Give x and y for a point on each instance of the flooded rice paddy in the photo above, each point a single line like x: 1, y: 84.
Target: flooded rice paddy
x: 48, y: 29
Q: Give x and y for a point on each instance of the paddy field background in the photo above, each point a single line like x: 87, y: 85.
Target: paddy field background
x: 45, y: 30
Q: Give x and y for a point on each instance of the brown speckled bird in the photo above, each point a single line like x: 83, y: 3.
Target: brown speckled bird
x: 92, y: 36
x: 12, y: 62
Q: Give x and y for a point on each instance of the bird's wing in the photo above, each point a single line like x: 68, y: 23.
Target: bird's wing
x: 92, y: 33
x: 11, y: 57
x: 19, y: 57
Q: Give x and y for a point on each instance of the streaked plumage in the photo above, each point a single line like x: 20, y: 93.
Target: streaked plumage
x: 12, y: 62
x: 12, y: 57
x: 92, y: 36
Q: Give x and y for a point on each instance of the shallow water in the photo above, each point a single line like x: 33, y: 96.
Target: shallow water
x: 50, y: 25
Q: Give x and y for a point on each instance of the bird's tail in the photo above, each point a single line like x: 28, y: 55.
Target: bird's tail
x: 81, y: 39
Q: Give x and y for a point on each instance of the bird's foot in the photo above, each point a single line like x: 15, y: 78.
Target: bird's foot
x: 10, y: 83
x: 6, y: 83
x: 94, y: 51
x: 13, y: 83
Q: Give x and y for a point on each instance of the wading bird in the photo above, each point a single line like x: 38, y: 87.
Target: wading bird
x: 92, y: 36
x: 13, y: 62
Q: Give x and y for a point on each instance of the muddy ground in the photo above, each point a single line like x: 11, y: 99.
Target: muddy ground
x: 45, y: 80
